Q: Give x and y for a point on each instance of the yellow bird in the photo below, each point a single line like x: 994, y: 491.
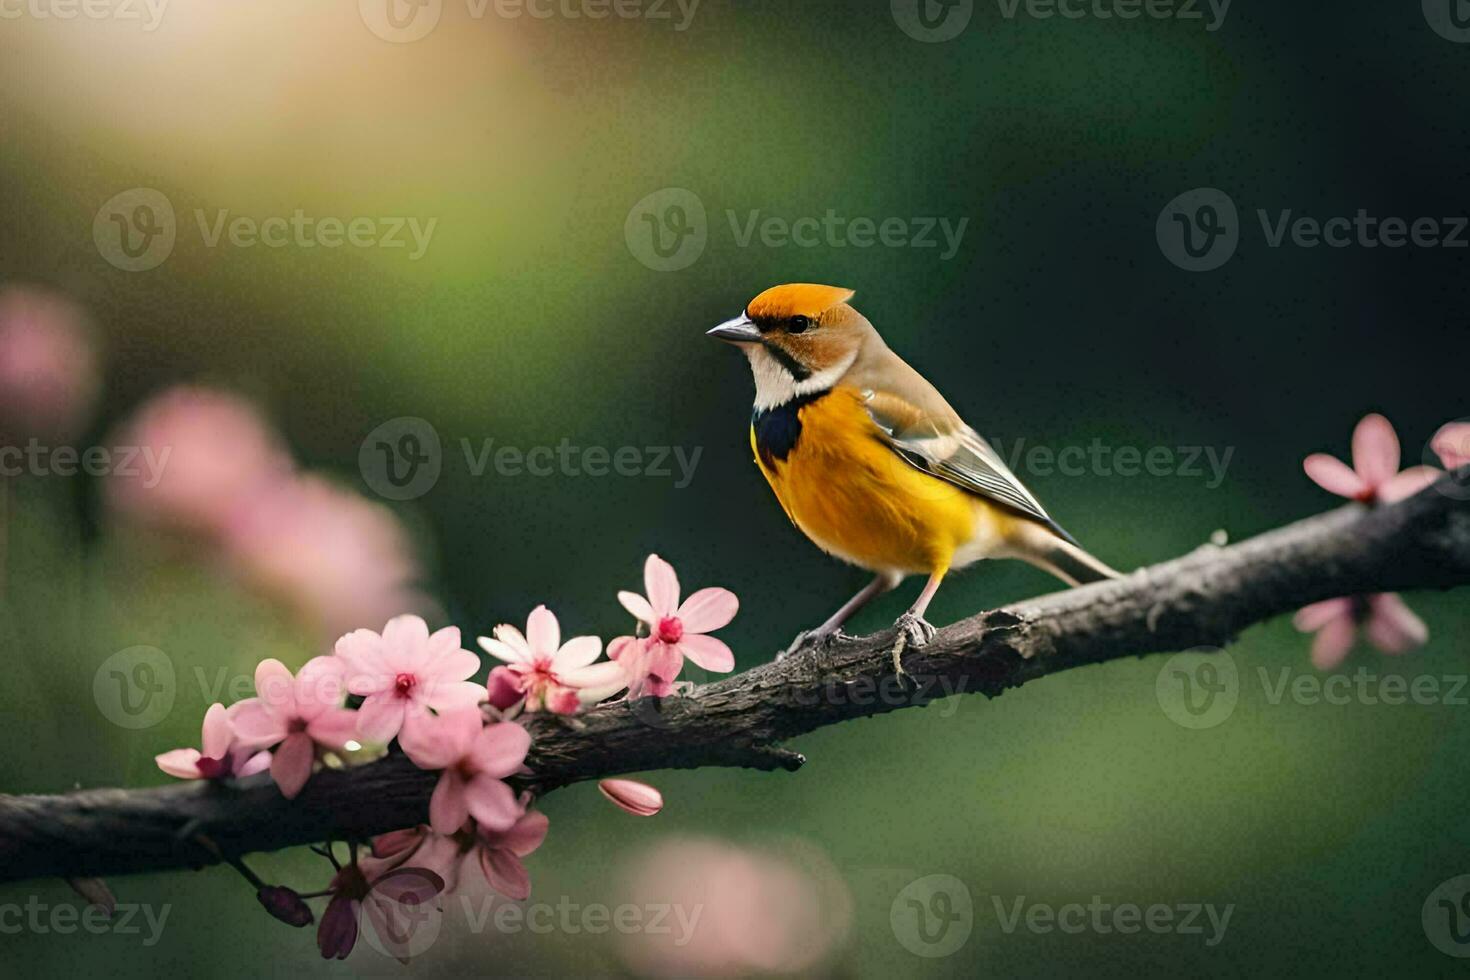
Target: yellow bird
x: 873, y: 465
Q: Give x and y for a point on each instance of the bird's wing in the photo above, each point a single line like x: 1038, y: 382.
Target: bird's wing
x: 942, y: 445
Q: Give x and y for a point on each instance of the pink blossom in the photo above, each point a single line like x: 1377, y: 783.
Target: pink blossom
x: 637, y: 798
x: 781, y: 909
x: 403, y: 673
x: 341, y: 560
x: 1452, y: 444
x: 474, y: 757
x: 675, y: 631
x: 385, y: 898
x: 503, y: 689
x: 1386, y: 621
x: 213, y: 454
x: 223, y: 756
x: 498, y: 854
x: 1374, y: 476
x: 296, y: 716
x: 48, y: 368
x: 553, y: 676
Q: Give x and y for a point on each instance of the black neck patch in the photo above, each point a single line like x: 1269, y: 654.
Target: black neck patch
x: 793, y: 367
x: 778, y: 429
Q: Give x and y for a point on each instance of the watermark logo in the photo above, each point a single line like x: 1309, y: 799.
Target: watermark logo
x: 135, y: 688
x: 135, y: 230
x: 1199, y: 230
x: 933, y: 916
x: 1450, y: 19
x: 667, y: 230
x: 1181, y: 10
x: 401, y: 459
x: 126, y: 919
x: 401, y: 21
x: 932, y: 21
x: 1446, y: 917
x: 403, y: 914
x: 1198, y: 688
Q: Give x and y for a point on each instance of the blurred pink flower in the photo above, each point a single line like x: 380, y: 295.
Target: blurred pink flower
x: 553, y: 676
x: 296, y: 716
x: 223, y: 756
x: 737, y: 911
x: 1374, y: 476
x: 403, y: 673
x: 637, y: 798
x: 497, y: 853
x: 48, y: 367
x: 675, y: 631
x: 390, y: 900
x: 1386, y: 621
x: 341, y: 560
x: 1452, y: 444
x: 475, y: 758
x: 213, y: 453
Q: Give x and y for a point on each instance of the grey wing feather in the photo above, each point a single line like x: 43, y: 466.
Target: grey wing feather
x: 962, y: 457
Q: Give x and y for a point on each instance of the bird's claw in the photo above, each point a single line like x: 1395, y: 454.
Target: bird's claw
x: 813, y: 639
x: 913, y: 631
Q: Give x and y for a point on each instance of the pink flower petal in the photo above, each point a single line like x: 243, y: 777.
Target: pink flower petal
x: 503, y: 651
x: 505, y: 873
x: 662, y: 585
x: 395, y: 842
x: 380, y: 717
x: 217, y: 734
x: 1309, y: 619
x: 448, y: 807
x: 291, y: 763
x: 543, y: 632
x: 708, y: 609
x: 665, y: 661
x: 1393, y: 627
x: 333, y: 728
x: 1375, y: 450
x: 320, y: 686
x: 514, y: 639
x: 637, y: 798
x: 638, y: 606
x: 255, y: 725
x: 597, y: 675
x: 180, y: 763
x: 562, y: 700
x: 491, y: 802
x: 708, y: 652
x: 579, y: 651
x: 275, y: 687
x: 337, y: 933
x: 259, y: 762
x: 1333, y: 475
x: 1332, y: 643
x: 1407, y: 483
x: 438, y: 742
x: 404, y: 640
x: 525, y: 836
x: 457, y: 665
x: 444, y: 696
x: 503, y: 688
x: 499, y: 749
x: 1452, y: 444
x: 361, y: 652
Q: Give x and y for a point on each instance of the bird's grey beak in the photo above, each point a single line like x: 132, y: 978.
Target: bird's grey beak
x: 740, y: 330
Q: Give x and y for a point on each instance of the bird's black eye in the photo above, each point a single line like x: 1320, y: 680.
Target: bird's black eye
x: 798, y: 324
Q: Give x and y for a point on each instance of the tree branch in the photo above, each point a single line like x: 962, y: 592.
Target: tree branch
x: 1203, y: 598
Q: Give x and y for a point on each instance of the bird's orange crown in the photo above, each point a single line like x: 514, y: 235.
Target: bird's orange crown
x: 796, y: 299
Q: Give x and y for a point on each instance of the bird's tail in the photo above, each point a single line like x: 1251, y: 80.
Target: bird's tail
x: 1061, y: 556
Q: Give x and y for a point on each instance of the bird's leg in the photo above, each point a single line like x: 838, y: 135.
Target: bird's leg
x: 913, y: 629
x: 832, y: 628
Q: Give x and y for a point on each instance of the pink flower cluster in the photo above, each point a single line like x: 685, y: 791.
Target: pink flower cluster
x: 415, y: 686
x: 1374, y: 478
x: 227, y: 483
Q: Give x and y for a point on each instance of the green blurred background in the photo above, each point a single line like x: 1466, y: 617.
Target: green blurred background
x: 530, y: 319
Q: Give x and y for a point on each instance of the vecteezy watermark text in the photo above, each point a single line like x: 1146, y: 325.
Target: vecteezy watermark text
x: 150, y: 12
x: 404, y: 21
x: 1100, y: 459
x: 43, y: 918
x: 37, y: 459
x: 403, y: 458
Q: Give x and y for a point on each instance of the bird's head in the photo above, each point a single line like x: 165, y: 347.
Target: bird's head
x: 800, y: 338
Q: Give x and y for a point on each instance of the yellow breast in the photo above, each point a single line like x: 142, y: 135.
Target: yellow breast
x: 854, y: 496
